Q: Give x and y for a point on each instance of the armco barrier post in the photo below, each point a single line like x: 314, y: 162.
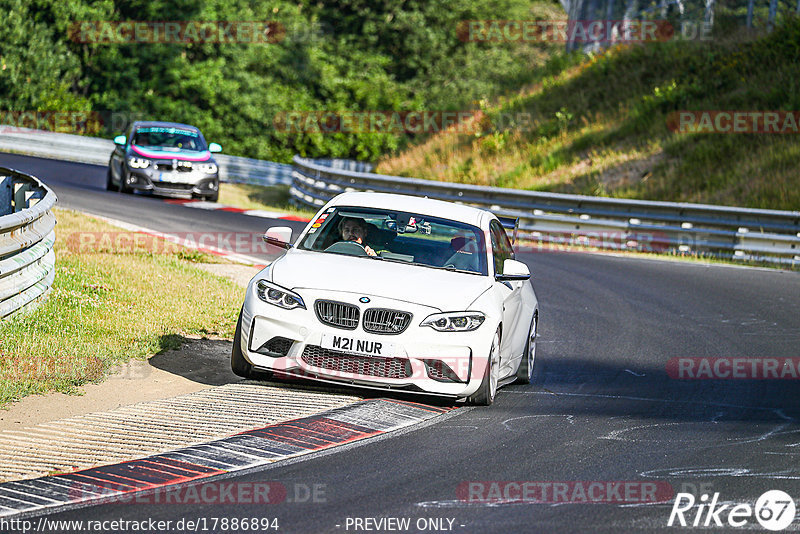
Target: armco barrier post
x: 5, y: 195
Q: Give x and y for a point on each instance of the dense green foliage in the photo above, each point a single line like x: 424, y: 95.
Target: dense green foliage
x: 344, y: 55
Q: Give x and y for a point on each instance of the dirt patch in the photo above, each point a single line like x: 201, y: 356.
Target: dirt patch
x: 630, y: 172
x: 198, y: 364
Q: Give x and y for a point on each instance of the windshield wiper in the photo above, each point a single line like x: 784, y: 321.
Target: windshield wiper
x: 444, y: 267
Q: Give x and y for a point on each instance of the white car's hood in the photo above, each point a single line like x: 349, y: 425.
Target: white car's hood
x: 445, y: 290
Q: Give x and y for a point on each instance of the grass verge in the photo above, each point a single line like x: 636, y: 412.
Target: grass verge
x: 107, y: 307
x: 255, y: 197
x: 604, y: 125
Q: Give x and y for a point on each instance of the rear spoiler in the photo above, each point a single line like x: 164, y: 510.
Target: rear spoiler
x: 510, y: 223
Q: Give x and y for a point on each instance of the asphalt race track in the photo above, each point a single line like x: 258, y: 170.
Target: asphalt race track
x: 607, y: 406
x: 83, y: 187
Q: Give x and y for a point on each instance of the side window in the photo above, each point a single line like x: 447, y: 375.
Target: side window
x: 505, y: 242
x: 501, y: 246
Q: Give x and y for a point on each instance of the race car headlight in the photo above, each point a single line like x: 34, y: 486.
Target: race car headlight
x: 279, y: 296
x: 208, y: 168
x: 138, y: 163
x: 454, y: 321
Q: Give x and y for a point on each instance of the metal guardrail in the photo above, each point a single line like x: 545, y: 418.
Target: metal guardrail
x: 27, y: 234
x: 552, y: 220
x: 97, y: 151
x: 547, y: 220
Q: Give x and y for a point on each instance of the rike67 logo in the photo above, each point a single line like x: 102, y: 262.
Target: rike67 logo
x: 774, y: 510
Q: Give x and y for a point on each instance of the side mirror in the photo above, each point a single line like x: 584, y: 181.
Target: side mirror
x: 120, y: 140
x: 214, y: 147
x: 280, y: 236
x: 513, y: 270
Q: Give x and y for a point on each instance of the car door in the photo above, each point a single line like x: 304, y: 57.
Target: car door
x: 514, y: 332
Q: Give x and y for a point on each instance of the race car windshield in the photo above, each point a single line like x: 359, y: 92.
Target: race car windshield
x: 395, y: 236
x: 170, y: 139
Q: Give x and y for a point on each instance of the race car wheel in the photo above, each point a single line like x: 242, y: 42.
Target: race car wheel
x: 239, y: 365
x: 109, y: 182
x: 488, y: 389
x: 525, y: 369
x: 123, y: 185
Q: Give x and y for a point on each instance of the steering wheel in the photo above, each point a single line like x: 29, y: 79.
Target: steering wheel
x: 348, y: 247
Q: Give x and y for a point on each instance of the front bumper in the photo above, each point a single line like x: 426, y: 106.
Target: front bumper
x: 175, y: 185
x: 420, y: 359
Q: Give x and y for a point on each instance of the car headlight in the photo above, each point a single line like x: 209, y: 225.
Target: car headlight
x: 208, y: 168
x: 138, y: 163
x: 279, y: 296
x: 454, y: 321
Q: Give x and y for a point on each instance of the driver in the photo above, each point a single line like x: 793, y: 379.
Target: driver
x: 355, y: 229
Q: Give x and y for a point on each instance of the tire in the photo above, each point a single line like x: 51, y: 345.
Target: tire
x: 525, y: 369
x: 488, y: 390
x: 123, y: 188
x: 109, y: 182
x: 239, y: 365
x: 213, y: 197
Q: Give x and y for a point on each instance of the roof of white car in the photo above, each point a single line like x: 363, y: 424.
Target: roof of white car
x: 406, y: 203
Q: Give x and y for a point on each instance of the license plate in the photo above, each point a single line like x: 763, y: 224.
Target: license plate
x: 177, y: 177
x: 359, y: 346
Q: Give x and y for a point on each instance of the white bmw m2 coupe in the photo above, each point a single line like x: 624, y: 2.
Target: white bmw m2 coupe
x: 392, y: 292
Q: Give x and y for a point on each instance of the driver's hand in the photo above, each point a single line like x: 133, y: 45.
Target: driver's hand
x: 369, y: 250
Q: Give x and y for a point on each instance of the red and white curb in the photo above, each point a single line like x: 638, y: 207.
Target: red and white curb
x: 213, y: 206
x: 247, y: 450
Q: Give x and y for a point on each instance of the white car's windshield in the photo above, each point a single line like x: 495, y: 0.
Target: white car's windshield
x: 399, y: 236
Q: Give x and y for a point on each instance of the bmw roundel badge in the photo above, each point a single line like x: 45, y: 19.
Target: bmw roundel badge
x: 364, y: 300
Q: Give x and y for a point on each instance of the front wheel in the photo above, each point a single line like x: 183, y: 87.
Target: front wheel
x: 488, y: 390
x: 109, y: 182
x: 123, y: 183
x: 239, y: 365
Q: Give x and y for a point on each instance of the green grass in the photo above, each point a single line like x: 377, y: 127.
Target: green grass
x: 107, y: 307
x: 600, y: 126
x: 255, y: 197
